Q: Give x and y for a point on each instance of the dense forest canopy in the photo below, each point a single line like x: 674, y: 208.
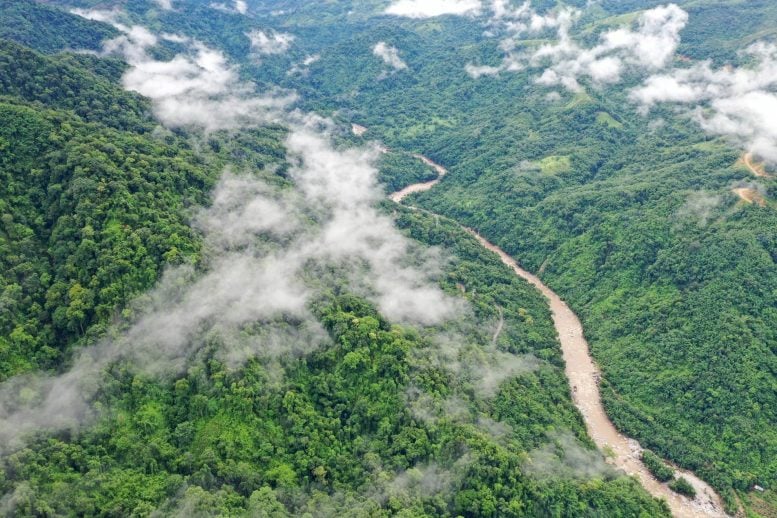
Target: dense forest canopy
x: 637, y: 220
x: 184, y: 255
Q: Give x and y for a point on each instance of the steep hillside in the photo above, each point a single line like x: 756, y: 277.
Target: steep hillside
x: 368, y: 425
x: 48, y: 29
x: 634, y: 219
x: 327, y: 407
x: 91, y: 209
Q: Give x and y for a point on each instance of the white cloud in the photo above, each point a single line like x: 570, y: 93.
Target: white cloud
x: 736, y: 102
x: 303, y: 67
x: 174, y: 38
x: 198, y: 88
x: 502, y: 9
x: 749, y: 117
x: 201, y: 89
x: 664, y: 88
x: 309, y: 60
x: 432, y: 8
x: 98, y: 15
x: 165, y: 4
x: 270, y: 42
x: 239, y: 7
x: 389, y: 54
x: 655, y: 41
x: 479, y: 71
x: 699, y: 207
x: 649, y: 46
x: 356, y: 233
x: 136, y: 39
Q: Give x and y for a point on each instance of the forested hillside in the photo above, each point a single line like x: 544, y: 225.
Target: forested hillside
x: 120, y: 228
x: 653, y: 229
x: 369, y: 425
x: 48, y: 29
x: 92, y: 210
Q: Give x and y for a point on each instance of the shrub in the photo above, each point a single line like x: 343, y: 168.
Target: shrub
x: 653, y: 463
x: 683, y: 487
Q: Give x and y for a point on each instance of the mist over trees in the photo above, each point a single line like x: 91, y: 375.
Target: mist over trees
x: 207, y: 307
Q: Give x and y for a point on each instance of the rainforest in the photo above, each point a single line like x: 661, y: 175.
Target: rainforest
x: 372, y: 258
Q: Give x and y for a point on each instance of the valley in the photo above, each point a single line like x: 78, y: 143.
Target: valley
x: 388, y: 258
x: 583, y: 376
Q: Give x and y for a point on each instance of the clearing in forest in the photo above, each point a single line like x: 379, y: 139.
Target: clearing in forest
x: 750, y: 195
x: 757, y: 169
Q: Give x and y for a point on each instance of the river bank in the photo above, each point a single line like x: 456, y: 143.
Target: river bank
x: 584, y: 375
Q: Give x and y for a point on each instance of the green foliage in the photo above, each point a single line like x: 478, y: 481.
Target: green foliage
x: 331, y: 431
x: 92, y: 205
x: 64, y: 82
x: 89, y: 215
x: 633, y: 223
x: 683, y: 487
x: 47, y: 29
x: 400, y: 169
x: 653, y: 462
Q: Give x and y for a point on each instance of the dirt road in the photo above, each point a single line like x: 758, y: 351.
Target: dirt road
x: 757, y: 169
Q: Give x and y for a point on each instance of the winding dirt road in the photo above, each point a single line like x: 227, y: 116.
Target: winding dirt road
x: 757, y: 169
x: 584, y: 378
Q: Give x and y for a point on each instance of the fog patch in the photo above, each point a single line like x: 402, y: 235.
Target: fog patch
x: 190, y: 501
x: 166, y: 5
x: 21, y: 496
x: 699, y: 207
x: 655, y: 125
x: 431, y: 410
x: 649, y: 46
x: 433, y: 8
x: 498, y: 430
x: 483, y: 367
x: 565, y: 457
x: 738, y: 103
x: 262, y: 246
x: 476, y: 72
x: 99, y: 15
x: 30, y: 402
x: 201, y: 90
x: 303, y: 68
x: 198, y: 88
x: 270, y: 42
x: 390, y: 55
x: 243, y: 208
x: 268, y: 252
x: 343, y: 185
x: 237, y: 7
x: 496, y: 367
x: 270, y: 341
x: 428, y: 480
